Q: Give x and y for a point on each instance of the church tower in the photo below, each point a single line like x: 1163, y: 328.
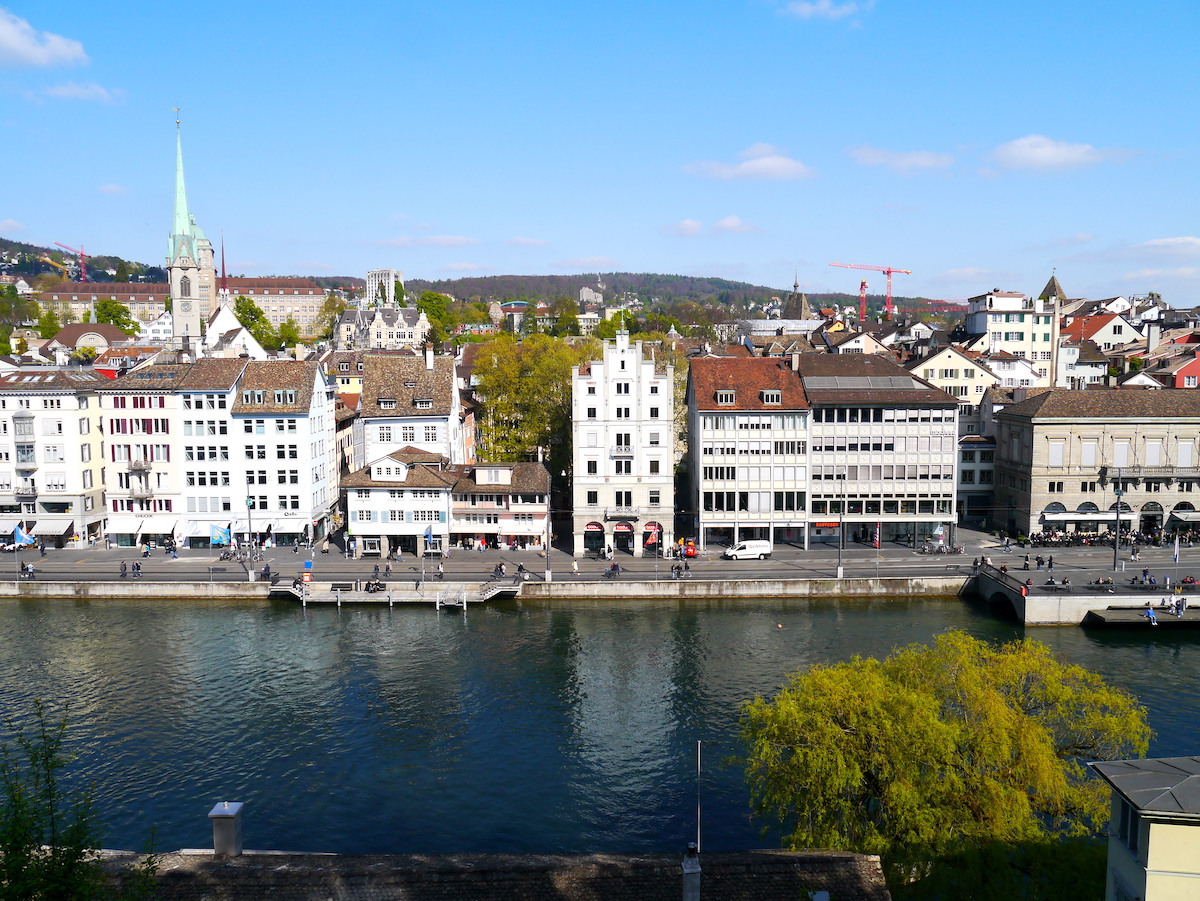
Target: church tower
x: 190, y: 265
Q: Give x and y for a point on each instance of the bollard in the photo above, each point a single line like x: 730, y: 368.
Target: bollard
x: 227, y: 828
x: 691, y: 873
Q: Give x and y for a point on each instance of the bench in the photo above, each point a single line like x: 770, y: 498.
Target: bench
x: 342, y: 586
x: 1056, y: 588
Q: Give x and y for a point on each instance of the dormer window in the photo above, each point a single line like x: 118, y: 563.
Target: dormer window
x: 726, y: 398
x: 424, y: 405
x: 388, y: 403
x: 410, y: 384
x: 772, y: 397
x: 344, y: 367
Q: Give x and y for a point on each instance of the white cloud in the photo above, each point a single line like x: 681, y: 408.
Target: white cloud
x: 1046, y: 154
x: 528, y: 242
x: 759, y: 161
x: 8, y: 226
x: 1171, y: 248
x: 586, y: 264
x: 431, y: 241
x: 22, y: 45
x: 685, y: 228
x: 823, y: 9
x: 89, y: 91
x: 111, y: 189
x: 733, y: 225
x: 901, y: 161
x: 464, y: 267
x: 1181, y: 272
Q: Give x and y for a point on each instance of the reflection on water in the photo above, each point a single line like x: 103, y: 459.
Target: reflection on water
x: 552, y: 726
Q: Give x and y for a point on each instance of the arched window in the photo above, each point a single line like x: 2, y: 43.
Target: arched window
x: 185, y: 287
x: 1125, y: 508
x: 1056, y: 507
x: 1088, y: 507
x: 1184, y: 507
x: 1152, y: 507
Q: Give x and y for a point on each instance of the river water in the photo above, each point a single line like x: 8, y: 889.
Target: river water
x: 547, y: 726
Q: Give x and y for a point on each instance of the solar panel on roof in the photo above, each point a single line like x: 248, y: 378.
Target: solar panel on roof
x: 828, y: 382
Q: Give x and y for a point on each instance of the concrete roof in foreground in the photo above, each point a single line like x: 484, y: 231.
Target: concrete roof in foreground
x: 1167, y: 785
x: 738, y: 876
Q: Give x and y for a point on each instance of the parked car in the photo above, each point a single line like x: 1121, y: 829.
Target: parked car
x: 743, y: 549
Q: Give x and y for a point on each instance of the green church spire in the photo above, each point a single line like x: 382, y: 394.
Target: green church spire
x: 184, y: 231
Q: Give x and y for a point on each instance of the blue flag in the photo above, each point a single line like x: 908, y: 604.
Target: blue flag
x: 22, y: 537
x: 429, y: 533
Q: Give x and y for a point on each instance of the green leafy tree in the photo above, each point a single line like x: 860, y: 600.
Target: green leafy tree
x: 15, y: 309
x: 48, y: 835
x: 113, y: 312
x: 399, y: 290
x: 6, y: 340
x: 122, y: 272
x: 289, y: 332
x: 331, y: 312
x: 256, y: 322
x: 48, y: 325
x: 939, y: 753
x: 526, y: 392
x: 22, y: 346
x: 621, y: 320
x: 84, y: 354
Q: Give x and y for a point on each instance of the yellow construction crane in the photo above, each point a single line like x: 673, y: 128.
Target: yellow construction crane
x: 65, y: 271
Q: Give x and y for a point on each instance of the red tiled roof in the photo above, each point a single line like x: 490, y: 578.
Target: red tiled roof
x: 747, y: 377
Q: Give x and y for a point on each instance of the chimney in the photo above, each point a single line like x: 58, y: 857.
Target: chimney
x: 1153, y: 336
x: 1019, y: 394
x: 227, y: 828
x: 691, y: 873
x: 429, y: 357
x: 795, y: 362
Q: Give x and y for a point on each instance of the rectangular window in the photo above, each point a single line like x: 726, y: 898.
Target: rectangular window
x: 593, y: 498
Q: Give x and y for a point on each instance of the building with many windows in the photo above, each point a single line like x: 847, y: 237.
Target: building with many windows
x: 748, y: 422
x: 622, y: 429
x: 1024, y: 327
x: 51, y: 455
x: 883, y: 450
x: 1062, y: 456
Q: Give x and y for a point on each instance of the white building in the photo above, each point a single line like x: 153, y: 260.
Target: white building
x: 748, y: 451
x: 216, y: 449
x: 408, y: 403
x: 400, y: 504
x: 51, y: 455
x: 1009, y: 321
x: 622, y: 424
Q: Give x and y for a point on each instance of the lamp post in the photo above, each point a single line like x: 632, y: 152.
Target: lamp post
x: 1117, y: 536
x: 841, y: 476
x: 250, y: 525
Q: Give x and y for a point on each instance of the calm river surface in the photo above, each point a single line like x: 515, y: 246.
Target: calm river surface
x: 553, y: 726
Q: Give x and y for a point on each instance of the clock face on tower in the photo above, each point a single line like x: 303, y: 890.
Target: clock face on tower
x: 185, y: 307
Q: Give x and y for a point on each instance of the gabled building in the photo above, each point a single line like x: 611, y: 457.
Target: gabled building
x: 501, y: 505
x: 400, y: 504
x: 408, y: 402
x: 622, y: 429
x: 962, y: 374
x: 1107, y: 330
x: 382, y: 328
x: 1027, y: 328
x: 748, y: 434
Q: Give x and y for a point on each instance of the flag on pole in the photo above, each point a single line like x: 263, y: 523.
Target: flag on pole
x: 652, y: 538
x: 20, y: 536
x: 429, y: 533
x: 1177, y: 548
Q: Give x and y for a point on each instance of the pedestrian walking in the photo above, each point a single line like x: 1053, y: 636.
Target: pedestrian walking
x: 1050, y: 564
x: 42, y: 548
x: 124, y: 569
x: 376, y: 570
x: 1041, y: 561
x: 575, y: 567
x: 441, y: 571
x: 387, y: 569
x: 687, y: 568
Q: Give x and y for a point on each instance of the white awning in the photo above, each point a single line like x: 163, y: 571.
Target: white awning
x: 1102, y: 516
x: 8, y: 526
x: 159, y: 525
x: 124, y: 524
x: 289, y: 526
x: 48, y: 527
x: 1187, y: 515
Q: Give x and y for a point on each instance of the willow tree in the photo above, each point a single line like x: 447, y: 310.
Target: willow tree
x: 938, y: 751
x: 525, y: 387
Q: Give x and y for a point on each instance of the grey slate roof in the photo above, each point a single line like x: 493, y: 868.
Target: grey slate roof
x: 740, y: 876
x: 1158, y: 785
x: 1063, y: 403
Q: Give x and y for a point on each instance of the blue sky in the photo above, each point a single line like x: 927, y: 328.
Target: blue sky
x: 979, y: 145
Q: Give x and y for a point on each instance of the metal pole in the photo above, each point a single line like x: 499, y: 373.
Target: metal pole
x: 841, y: 523
x: 1117, y: 536
x: 698, y: 746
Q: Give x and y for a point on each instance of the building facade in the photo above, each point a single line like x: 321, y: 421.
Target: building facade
x: 622, y: 425
x: 1024, y: 327
x: 748, y: 424
x: 1062, y: 456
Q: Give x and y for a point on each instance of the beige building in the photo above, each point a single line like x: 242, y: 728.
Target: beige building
x: 1062, y: 455
x: 1154, y: 829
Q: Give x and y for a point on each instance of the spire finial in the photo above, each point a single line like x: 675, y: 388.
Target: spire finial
x: 176, y: 115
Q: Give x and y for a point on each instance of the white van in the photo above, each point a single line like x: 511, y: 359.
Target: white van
x: 759, y: 549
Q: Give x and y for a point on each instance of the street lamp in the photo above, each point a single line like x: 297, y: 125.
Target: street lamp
x: 1117, y: 536
x: 250, y: 525
x: 841, y: 477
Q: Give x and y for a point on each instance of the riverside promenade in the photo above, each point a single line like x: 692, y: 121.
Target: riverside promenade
x: 469, y: 576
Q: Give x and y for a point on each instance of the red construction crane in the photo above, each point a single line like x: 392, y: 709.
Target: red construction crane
x: 82, y: 259
x: 886, y: 270
x: 862, y: 301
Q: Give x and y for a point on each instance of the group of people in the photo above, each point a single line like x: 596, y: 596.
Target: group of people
x: 679, y: 570
x: 136, y: 569
x: 1176, y: 606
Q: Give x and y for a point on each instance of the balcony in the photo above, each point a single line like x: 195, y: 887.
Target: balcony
x: 141, y: 493
x: 25, y: 490
x: 622, y: 512
x: 1137, y: 471
x: 139, y: 465
x: 622, y: 450
x: 26, y: 462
